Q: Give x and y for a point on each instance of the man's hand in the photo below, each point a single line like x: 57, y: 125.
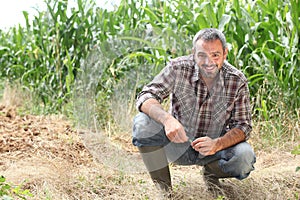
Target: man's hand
x: 205, y: 145
x: 174, y: 130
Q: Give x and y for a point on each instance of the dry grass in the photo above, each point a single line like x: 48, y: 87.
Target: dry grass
x: 112, y: 169
x: 57, y: 162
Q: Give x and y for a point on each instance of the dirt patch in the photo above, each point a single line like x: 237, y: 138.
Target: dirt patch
x: 38, y: 149
x: 30, y: 136
x: 46, y: 155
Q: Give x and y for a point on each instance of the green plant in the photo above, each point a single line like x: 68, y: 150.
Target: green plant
x: 49, y: 56
x: 9, y: 192
x: 45, y: 55
x: 296, y: 151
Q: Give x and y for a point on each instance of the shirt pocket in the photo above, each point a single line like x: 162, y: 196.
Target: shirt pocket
x: 184, y: 105
x: 222, y: 107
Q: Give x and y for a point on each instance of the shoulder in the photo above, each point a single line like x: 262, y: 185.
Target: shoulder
x: 182, y: 62
x: 232, y: 72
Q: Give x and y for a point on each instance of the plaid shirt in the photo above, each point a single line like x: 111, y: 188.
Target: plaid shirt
x: 201, y: 111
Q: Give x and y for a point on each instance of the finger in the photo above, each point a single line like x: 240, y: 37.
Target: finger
x: 174, y: 137
x: 171, y: 137
x: 195, y: 146
x: 196, y: 141
x: 202, y: 139
x: 203, y: 151
x: 182, y: 136
x: 178, y: 139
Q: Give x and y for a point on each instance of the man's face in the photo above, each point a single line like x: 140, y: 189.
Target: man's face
x: 209, y: 56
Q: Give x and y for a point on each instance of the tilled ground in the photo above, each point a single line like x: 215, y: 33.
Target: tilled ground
x: 28, y: 136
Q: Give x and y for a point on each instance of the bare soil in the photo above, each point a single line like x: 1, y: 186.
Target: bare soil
x: 52, y: 159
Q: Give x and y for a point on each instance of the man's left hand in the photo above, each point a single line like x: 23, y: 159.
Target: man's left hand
x: 205, y: 145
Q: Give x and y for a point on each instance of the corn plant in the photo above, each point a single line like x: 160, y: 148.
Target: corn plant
x: 45, y: 55
x: 262, y: 36
x: 135, y: 40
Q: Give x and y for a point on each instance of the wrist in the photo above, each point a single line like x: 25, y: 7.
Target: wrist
x: 164, y: 118
x: 232, y: 137
x: 219, y: 144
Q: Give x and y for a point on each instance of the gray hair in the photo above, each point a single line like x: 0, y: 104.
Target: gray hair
x: 210, y: 34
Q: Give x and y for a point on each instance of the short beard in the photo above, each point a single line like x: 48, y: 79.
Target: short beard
x: 209, y: 75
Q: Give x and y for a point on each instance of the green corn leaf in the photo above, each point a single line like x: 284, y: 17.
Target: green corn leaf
x: 224, y: 21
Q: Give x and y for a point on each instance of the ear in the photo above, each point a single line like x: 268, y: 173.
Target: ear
x: 225, y: 53
x: 193, y: 50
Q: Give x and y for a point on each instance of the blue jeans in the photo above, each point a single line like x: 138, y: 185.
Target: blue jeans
x: 237, y: 160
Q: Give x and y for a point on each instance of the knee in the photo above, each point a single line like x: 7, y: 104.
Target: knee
x: 246, y: 159
x: 239, y: 161
x: 144, y: 126
x: 146, y: 131
x: 245, y: 153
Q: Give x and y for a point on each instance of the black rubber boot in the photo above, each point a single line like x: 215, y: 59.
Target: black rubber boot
x: 211, y: 175
x: 157, y: 165
x: 214, y: 169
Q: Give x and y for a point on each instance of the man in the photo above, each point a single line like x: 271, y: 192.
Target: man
x: 209, y: 119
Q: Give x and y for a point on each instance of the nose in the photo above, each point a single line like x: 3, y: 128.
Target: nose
x: 208, y: 60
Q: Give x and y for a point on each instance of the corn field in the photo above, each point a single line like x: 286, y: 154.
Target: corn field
x: 134, y: 41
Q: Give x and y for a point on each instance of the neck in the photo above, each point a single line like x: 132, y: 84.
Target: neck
x: 209, y: 82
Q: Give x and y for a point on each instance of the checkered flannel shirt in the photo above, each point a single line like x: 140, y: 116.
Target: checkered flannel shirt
x: 201, y: 111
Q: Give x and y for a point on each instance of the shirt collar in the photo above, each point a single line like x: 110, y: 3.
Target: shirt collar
x: 220, y: 79
x: 196, y: 75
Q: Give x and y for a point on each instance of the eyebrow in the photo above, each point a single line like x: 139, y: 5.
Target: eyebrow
x: 214, y: 52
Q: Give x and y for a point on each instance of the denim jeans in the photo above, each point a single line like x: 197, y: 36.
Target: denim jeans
x: 237, y: 160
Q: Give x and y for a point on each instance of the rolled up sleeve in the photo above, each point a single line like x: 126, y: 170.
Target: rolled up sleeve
x: 159, y: 88
x: 241, y: 117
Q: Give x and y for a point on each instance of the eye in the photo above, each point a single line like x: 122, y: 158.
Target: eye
x: 216, y: 55
x: 202, y: 55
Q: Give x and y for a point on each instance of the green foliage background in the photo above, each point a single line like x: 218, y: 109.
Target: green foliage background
x: 63, y: 49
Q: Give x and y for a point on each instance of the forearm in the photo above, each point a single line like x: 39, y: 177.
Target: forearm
x: 155, y: 110
x: 232, y: 137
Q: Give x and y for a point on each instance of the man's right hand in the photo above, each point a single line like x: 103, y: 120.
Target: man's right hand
x: 174, y: 130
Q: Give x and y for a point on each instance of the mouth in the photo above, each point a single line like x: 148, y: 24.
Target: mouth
x: 210, y: 67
